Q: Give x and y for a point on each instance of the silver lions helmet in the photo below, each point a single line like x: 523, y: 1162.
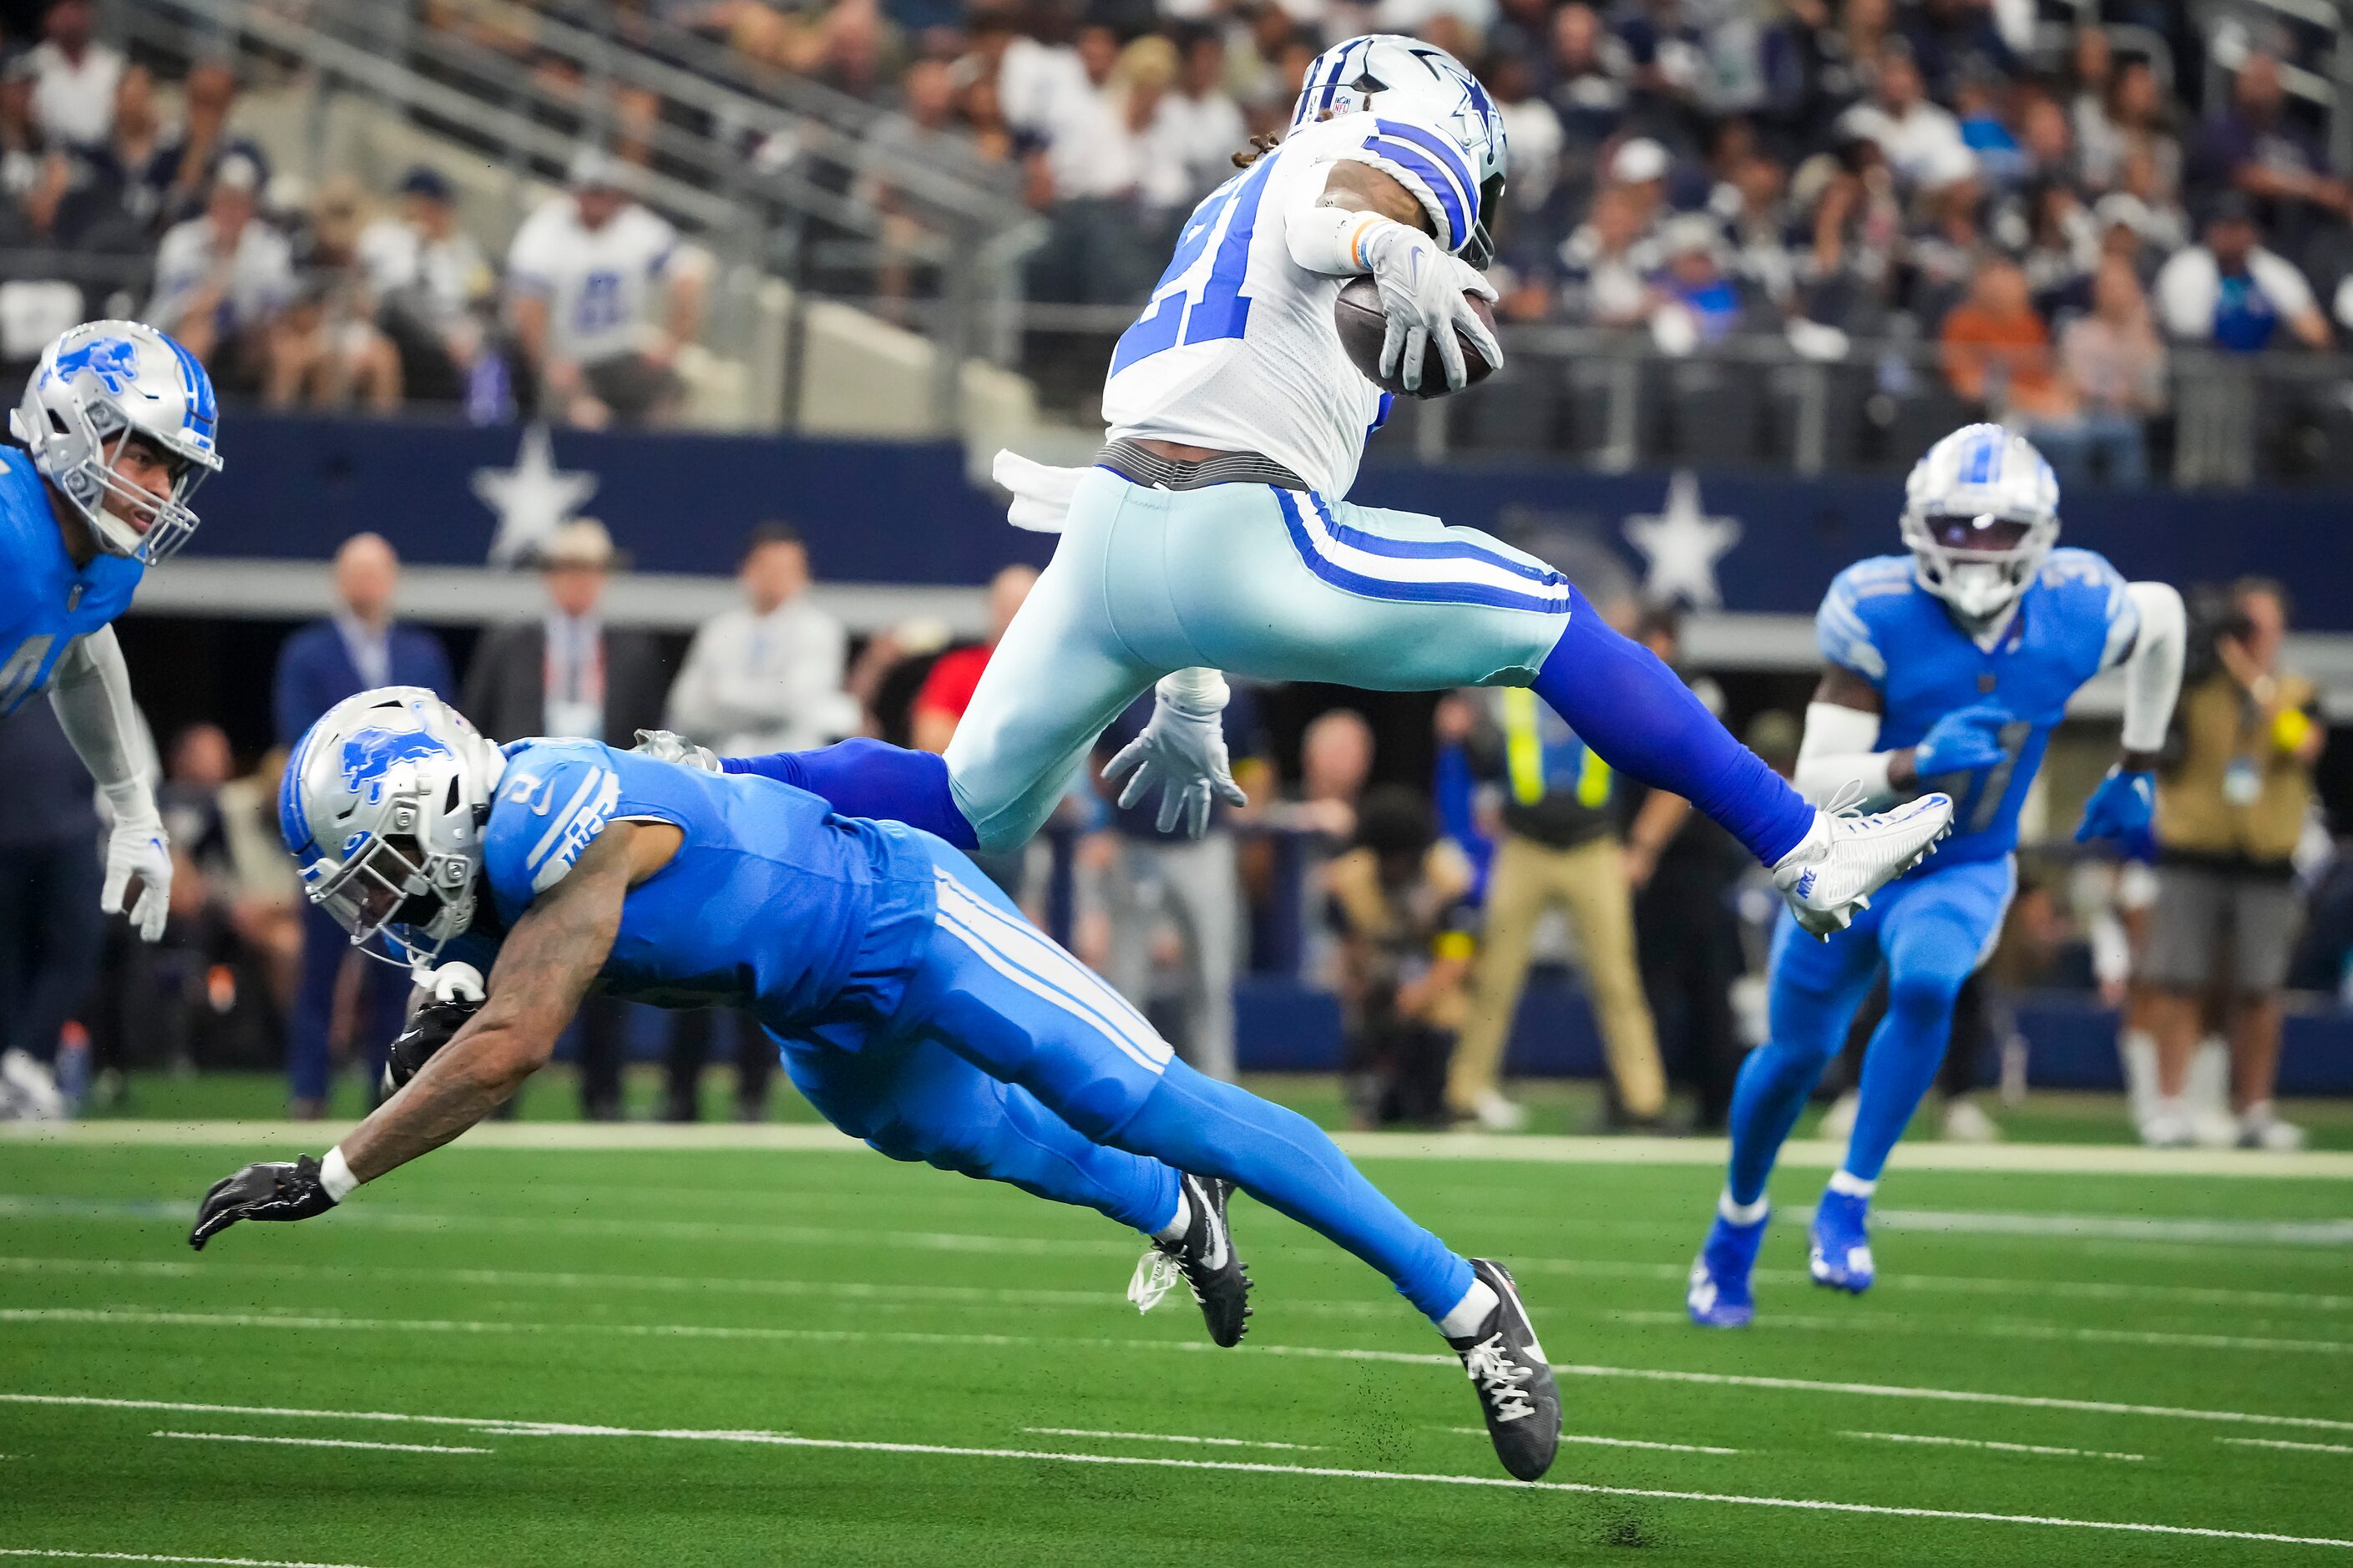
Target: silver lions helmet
x: 383, y: 808
x: 1981, y: 513
x: 100, y: 385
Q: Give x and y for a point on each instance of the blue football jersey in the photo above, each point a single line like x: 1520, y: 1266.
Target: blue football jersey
x: 44, y: 602
x: 2072, y: 621
x: 772, y: 903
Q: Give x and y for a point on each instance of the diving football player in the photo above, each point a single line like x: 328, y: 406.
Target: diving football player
x: 913, y: 1003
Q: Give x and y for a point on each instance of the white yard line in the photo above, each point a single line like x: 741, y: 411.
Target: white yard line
x: 2010, y: 1329
x: 2119, y: 1227
x: 1592, y: 1441
x: 568, y: 1279
x: 1172, y: 1437
x: 1988, y: 1443
x: 2054, y: 1159
x: 1322, y: 1472
x: 320, y: 1443
x: 2281, y: 1443
x: 333, y: 1324
x: 156, y: 1557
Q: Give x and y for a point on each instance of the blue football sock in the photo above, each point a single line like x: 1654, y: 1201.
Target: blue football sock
x: 1279, y: 1157
x: 1899, y: 1065
x: 861, y: 777
x: 1630, y: 708
x: 1765, y: 1099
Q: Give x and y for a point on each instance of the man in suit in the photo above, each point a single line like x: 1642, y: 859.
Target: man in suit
x: 357, y: 647
x: 567, y: 673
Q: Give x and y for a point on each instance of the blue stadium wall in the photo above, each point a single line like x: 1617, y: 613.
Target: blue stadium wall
x: 895, y: 511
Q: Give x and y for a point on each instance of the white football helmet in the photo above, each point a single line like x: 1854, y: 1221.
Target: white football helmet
x: 1980, y: 513
x: 97, y: 384
x: 1388, y: 73
x: 382, y: 806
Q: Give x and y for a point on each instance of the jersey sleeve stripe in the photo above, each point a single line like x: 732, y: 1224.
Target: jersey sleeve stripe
x: 548, y: 840
x: 1450, y: 199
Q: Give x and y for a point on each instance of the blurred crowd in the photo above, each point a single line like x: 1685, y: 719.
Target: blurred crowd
x: 320, y: 297
x: 2044, y: 210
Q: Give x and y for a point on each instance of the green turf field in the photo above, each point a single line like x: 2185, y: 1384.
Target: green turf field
x: 614, y: 1355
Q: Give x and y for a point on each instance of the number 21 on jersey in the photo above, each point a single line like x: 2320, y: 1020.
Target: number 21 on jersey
x: 1200, y: 298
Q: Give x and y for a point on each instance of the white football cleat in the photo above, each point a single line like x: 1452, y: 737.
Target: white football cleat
x: 2260, y: 1128
x: 1966, y: 1123
x: 1829, y: 877
x: 1837, y: 1122
x: 1495, y: 1113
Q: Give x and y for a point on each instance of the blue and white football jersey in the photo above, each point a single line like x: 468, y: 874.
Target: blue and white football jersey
x: 45, y: 601
x: 2074, y: 620
x: 772, y: 903
x: 1237, y: 349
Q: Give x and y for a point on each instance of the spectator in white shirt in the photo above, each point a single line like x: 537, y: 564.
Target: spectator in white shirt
x: 222, y: 279
x: 766, y: 677
x: 581, y: 279
x: 1201, y: 127
x: 73, y: 77
x: 2231, y: 293
x: 429, y: 280
x: 1921, y: 142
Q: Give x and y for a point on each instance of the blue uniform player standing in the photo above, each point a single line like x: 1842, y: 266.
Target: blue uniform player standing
x: 115, y: 430
x: 1947, y: 669
x: 913, y: 1005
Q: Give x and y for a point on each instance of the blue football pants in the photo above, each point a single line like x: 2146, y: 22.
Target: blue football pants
x: 1933, y: 929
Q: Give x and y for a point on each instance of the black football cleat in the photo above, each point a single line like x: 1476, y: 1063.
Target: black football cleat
x: 1513, y: 1382
x: 1206, y: 1259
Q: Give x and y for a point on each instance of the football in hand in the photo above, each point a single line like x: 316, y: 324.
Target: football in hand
x: 1363, y: 324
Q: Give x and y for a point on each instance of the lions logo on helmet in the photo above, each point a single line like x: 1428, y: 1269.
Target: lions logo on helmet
x: 1981, y: 513
x: 400, y: 783
x: 1408, y: 86
x: 98, y: 385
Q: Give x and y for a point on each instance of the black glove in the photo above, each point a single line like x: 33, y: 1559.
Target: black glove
x: 428, y: 1030
x: 264, y: 1191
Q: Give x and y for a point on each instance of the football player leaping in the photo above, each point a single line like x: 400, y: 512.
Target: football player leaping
x: 914, y: 1006
x: 1947, y: 666
x: 115, y: 430
x: 1211, y: 534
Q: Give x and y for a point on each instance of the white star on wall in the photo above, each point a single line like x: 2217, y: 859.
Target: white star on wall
x: 1682, y: 544
x: 533, y: 499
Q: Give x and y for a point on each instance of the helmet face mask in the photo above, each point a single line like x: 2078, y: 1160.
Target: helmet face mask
x: 382, y: 806
x: 105, y: 388
x: 1390, y: 73
x: 1980, y: 515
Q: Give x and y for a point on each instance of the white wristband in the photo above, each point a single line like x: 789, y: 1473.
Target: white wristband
x: 1198, y: 690
x: 1334, y: 241
x: 335, y: 1174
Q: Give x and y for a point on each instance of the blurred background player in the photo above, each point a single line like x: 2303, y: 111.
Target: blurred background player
x: 1950, y: 666
x: 115, y: 430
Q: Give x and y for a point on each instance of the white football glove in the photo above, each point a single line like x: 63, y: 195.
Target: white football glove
x: 1182, y: 753
x: 136, y: 848
x: 670, y: 746
x: 1422, y: 290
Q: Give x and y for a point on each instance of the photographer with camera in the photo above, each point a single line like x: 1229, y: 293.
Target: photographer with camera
x: 2232, y: 805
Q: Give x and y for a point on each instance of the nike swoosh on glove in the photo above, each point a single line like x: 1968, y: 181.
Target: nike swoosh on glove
x: 137, y: 848
x: 1182, y: 753
x: 1422, y: 290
